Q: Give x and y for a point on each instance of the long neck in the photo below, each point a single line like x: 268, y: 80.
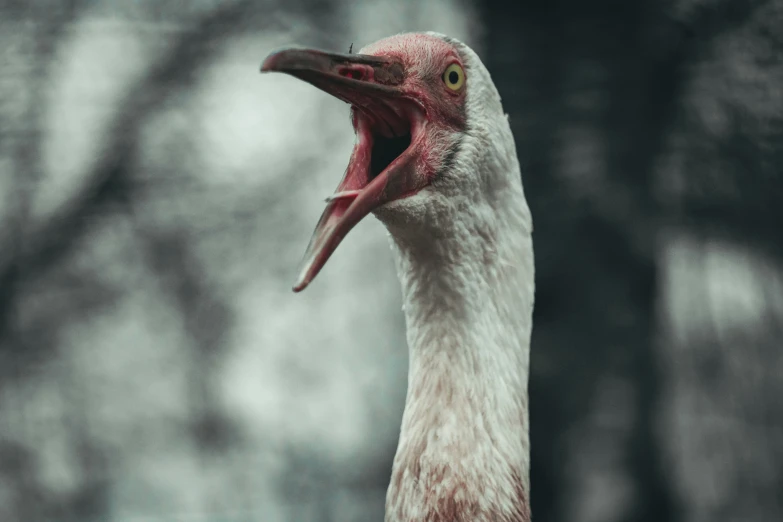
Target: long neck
x: 467, y: 291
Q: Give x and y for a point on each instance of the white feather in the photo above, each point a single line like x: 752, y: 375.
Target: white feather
x: 464, y: 257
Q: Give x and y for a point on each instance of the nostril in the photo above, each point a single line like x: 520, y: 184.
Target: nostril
x: 354, y: 74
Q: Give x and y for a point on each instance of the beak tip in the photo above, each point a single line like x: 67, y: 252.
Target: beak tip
x: 301, y: 283
x: 277, y: 59
x: 268, y: 63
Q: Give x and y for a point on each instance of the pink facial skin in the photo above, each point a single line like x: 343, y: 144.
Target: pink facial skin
x: 424, y: 58
x: 396, y: 87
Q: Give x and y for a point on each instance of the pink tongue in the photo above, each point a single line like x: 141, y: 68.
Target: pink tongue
x: 349, y: 195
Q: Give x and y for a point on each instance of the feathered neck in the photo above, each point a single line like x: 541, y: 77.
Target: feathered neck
x: 467, y: 286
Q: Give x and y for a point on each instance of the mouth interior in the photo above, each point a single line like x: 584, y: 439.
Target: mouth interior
x: 385, y: 151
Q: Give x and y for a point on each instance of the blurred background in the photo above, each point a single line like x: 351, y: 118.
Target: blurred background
x: 157, y: 194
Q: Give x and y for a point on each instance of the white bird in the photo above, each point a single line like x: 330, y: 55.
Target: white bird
x: 435, y: 161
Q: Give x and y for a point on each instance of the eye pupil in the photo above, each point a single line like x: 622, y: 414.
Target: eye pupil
x: 453, y: 77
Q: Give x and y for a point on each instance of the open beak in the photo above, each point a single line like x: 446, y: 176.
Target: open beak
x: 389, y: 127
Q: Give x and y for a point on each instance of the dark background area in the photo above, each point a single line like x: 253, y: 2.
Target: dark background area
x: 158, y: 193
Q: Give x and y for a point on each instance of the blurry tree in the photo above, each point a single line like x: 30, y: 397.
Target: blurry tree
x: 649, y: 134
x: 595, y: 92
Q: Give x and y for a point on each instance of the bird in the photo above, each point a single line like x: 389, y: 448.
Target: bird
x: 435, y: 161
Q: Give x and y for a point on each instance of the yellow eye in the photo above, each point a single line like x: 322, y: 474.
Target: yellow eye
x: 454, y: 77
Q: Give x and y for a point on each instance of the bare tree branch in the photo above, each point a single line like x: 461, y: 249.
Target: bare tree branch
x: 107, y: 182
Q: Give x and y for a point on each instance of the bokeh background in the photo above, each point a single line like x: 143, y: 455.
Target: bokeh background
x: 157, y: 194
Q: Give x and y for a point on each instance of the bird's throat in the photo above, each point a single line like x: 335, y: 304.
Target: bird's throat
x: 468, y: 326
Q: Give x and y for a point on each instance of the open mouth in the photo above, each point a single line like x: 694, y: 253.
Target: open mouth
x: 389, y: 124
x: 385, y: 150
x: 384, y: 142
x: 390, y: 133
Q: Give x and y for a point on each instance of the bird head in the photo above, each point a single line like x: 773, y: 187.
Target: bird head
x: 412, y: 97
